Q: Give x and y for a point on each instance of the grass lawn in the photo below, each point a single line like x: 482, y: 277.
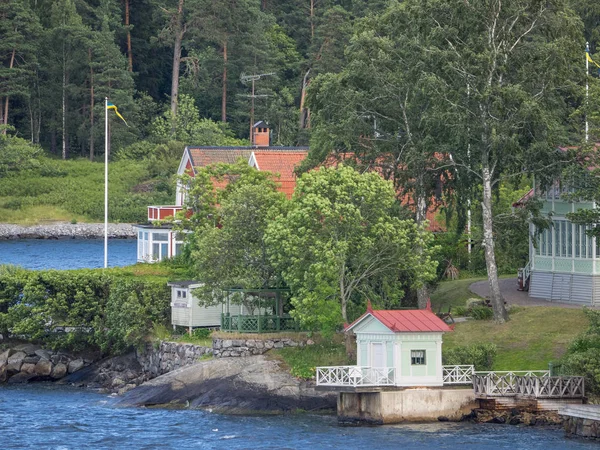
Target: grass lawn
x: 36, y: 215
x: 532, y: 338
x: 301, y: 361
x: 452, y: 293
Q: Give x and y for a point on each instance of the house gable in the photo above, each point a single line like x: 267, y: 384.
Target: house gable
x: 369, y: 324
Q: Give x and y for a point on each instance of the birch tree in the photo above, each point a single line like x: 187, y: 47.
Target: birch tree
x: 506, y: 75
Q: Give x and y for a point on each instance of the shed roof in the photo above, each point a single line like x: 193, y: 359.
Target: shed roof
x: 406, y: 321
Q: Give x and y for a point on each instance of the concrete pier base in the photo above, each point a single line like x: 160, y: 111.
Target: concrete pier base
x: 404, y: 405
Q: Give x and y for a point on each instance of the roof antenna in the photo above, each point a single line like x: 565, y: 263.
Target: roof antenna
x: 252, y: 78
x: 428, y: 306
x: 369, y: 307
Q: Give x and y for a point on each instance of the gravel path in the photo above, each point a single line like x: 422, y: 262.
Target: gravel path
x: 508, y: 287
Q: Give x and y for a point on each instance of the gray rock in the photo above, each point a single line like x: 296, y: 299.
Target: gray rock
x: 31, y: 359
x: 27, y: 368
x: 28, y: 349
x: 21, y: 378
x: 4, y: 356
x: 3, y: 374
x: 43, y: 354
x: 43, y: 368
x: 75, y: 365
x: 66, y: 230
x: 59, y: 371
x: 16, y: 357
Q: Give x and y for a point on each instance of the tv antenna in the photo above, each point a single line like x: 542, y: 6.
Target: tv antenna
x: 253, y: 78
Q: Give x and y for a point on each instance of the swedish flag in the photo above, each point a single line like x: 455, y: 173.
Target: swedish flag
x: 110, y: 105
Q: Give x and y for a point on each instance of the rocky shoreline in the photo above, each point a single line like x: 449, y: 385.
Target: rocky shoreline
x: 65, y: 230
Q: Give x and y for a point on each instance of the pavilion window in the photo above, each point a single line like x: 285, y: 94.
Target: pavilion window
x: 417, y: 357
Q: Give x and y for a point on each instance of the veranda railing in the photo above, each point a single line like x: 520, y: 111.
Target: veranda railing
x: 502, y: 384
x: 355, y: 376
x: 258, y: 324
x: 458, y: 374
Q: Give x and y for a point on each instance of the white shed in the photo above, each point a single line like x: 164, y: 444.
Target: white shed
x: 402, y: 347
x: 186, y: 312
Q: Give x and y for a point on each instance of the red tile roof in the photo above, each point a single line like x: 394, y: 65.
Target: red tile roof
x: 407, y: 320
x: 203, y: 156
x: 283, y: 164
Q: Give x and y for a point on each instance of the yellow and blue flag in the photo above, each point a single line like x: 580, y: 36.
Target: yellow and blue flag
x: 110, y: 105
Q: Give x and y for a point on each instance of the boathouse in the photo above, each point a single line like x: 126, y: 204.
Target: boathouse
x: 404, y: 346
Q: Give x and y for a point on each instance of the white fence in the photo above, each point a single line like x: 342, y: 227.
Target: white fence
x: 458, y: 374
x: 355, y: 376
x: 502, y: 384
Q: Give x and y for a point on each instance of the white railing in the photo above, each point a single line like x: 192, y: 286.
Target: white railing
x: 458, y: 374
x: 502, y: 384
x: 551, y: 387
x: 355, y: 376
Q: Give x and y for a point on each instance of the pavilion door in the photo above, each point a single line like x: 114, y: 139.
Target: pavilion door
x: 378, y: 355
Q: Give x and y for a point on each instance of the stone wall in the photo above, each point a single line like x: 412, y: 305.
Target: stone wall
x: 579, y: 426
x: 28, y: 362
x: 66, y: 230
x: 169, y: 356
x: 224, y: 348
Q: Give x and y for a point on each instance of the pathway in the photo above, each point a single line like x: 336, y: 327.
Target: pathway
x: 508, y: 287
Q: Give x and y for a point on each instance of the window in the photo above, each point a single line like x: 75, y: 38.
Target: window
x: 181, y: 294
x: 160, y: 237
x: 417, y: 357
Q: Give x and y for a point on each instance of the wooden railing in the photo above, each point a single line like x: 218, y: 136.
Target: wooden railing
x: 257, y: 324
x: 355, y: 376
x: 501, y: 384
x: 550, y: 387
x: 458, y: 374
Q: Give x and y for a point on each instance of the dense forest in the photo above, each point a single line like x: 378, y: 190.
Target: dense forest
x: 60, y: 58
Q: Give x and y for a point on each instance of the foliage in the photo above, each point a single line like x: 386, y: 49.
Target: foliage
x: 235, y: 254
x: 583, y: 355
x: 481, y: 313
x: 201, y: 333
x: 479, y: 355
x: 188, y: 127
x: 17, y: 154
x: 77, y: 186
x: 302, y: 361
x: 341, y: 242
x: 80, y: 309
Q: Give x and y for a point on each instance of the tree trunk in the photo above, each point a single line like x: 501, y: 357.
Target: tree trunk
x: 420, y: 218
x: 303, y: 115
x: 496, y: 298
x: 129, y: 53
x: 5, y: 115
x: 64, y: 106
x: 312, y: 20
x: 91, y: 106
x: 179, y: 33
x: 224, y: 96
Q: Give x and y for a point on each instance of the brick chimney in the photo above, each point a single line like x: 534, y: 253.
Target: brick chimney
x: 260, y: 134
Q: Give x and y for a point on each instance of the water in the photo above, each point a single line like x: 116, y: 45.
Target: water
x: 38, y: 254
x: 47, y: 417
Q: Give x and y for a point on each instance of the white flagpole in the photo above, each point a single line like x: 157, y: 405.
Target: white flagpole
x: 587, y: 87
x: 105, y: 182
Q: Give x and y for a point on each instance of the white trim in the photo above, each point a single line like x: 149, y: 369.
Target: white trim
x: 252, y: 162
x: 183, y: 163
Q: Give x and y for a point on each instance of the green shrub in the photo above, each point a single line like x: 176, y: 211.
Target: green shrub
x: 479, y: 355
x: 201, y: 333
x: 460, y: 311
x: 481, y: 313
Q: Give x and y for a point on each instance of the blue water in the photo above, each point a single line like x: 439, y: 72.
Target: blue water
x: 47, y: 417
x: 37, y: 254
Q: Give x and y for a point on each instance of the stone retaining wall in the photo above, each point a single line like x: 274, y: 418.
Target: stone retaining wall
x: 223, y: 348
x: 28, y: 362
x: 578, y: 426
x: 66, y: 230
x: 169, y: 356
